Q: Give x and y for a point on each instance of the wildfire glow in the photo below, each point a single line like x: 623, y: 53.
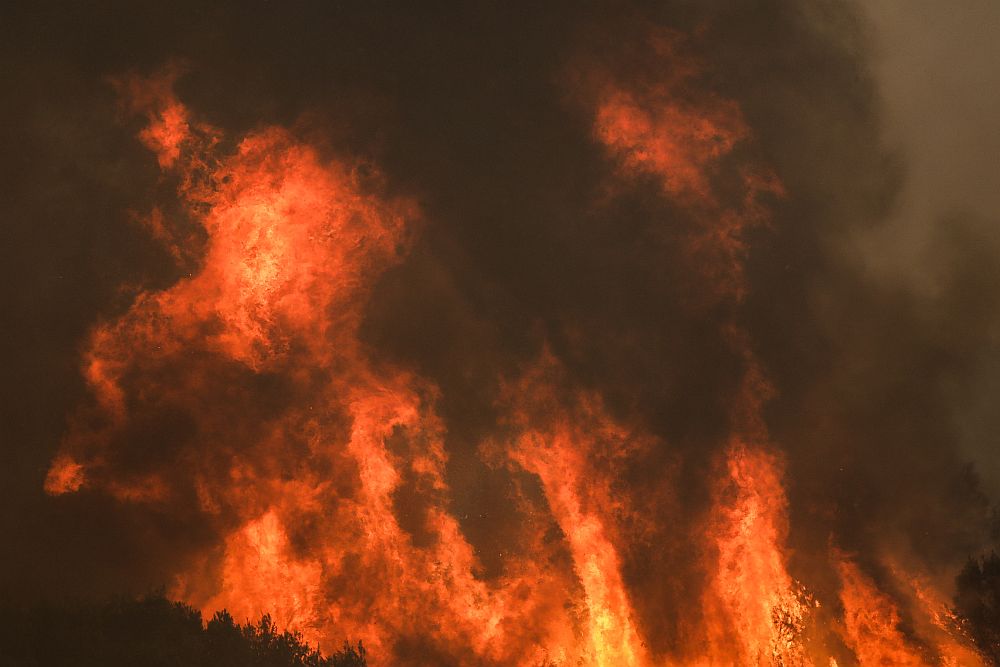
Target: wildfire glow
x: 286, y: 249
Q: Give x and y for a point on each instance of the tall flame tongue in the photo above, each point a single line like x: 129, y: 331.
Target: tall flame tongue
x: 575, y: 450
x: 280, y: 249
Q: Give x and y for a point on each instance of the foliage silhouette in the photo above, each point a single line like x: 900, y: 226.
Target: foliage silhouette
x: 977, y: 605
x: 152, y: 631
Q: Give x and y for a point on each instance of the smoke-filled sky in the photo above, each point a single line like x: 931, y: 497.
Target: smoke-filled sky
x: 937, y: 70
x: 492, y: 333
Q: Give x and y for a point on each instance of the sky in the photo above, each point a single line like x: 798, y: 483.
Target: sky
x: 936, y: 67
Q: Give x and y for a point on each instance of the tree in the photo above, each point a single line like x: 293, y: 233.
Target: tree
x: 155, y: 632
x: 977, y: 604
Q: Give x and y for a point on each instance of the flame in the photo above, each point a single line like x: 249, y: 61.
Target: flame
x: 753, y: 611
x: 275, y: 277
x: 560, y: 445
x: 871, y: 621
x: 307, y: 505
x: 65, y: 476
x: 756, y: 608
x: 681, y: 135
x: 935, y: 620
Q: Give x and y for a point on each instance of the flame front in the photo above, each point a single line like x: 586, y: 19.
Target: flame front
x: 280, y: 249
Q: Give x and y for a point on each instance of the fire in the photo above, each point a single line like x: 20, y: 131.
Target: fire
x: 305, y: 497
x: 671, y: 130
x: 168, y: 128
x: 875, y: 630
x: 277, y: 269
x: 757, y: 608
x: 65, y: 476
x: 560, y: 444
x: 261, y: 567
x: 871, y: 622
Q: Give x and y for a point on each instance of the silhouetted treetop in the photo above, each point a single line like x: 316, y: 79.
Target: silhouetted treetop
x: 153, y: 631
x: 977, y: 604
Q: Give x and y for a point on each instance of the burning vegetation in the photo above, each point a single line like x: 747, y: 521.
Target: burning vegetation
x: 544, y: 411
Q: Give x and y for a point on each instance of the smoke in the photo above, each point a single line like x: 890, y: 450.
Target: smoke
x: 489, y: 333
x: 941, y: 229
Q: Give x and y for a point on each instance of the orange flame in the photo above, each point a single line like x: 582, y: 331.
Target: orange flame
x: 305, y: 498
x: 560, y: 444
x: 756, y: 612
x: 871, y: 622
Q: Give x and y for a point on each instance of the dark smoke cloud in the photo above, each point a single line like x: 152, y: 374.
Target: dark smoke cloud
x: 936, y: 69
x: 471, y: 109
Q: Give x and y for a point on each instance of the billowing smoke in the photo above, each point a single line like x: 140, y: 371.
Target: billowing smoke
x: 487, y: 335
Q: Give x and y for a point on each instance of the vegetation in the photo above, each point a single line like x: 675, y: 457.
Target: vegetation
x: 977, y: 605
x: 153, y: 632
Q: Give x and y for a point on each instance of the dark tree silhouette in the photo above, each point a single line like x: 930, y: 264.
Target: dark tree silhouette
x: 977, y: 604
x: 152, y: 632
